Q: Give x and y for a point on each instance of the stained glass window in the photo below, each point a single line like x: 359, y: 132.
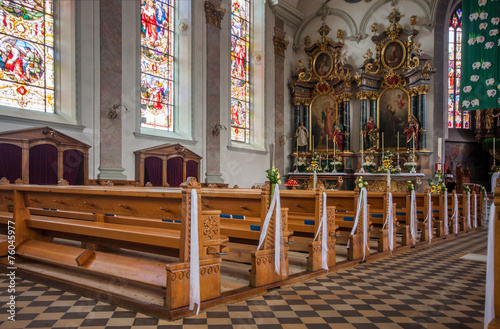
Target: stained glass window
x: 27, y: 54
x: 456, y: 119
x: 240, y: 79
x: 157, y: 64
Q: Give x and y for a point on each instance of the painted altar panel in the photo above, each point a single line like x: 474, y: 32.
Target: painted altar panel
x: 393, y: 112
x: 324, y: 113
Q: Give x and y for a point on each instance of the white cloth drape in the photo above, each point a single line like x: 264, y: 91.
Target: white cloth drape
x: 194, y: 256
x: 475, y: 210
x: 469, y: 225
x: 428, y: 219
x: 362, y: 202
x: 489, y: 307
x: 389, y: 222
x: 446, y: 228
x: 323, y: 226
x: 455, y: 213
x: 278, y: 243
x: 413, y: 216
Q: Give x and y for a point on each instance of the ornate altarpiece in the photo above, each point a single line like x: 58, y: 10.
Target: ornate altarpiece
x: 394, y: 85
x: 322, y: 95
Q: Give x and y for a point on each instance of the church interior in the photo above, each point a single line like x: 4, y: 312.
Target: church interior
x: 183, y: 162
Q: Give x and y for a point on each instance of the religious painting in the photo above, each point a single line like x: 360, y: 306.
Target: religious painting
x: 323, y: 123
x: 393, y: 113
x: 323, y: 64
x: 393, y: 54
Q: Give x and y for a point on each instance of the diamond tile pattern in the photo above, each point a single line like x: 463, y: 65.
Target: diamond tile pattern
x: 428, y: 287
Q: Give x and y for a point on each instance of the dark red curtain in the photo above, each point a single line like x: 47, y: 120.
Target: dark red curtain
x: 192, y: 169
x: 153, y: 171
x: 43, y: 165
x: 72, y: 167
x: 10, y: 162
x: 174, y: 172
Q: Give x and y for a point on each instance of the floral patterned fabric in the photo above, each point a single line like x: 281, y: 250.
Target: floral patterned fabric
x: 480, y: 81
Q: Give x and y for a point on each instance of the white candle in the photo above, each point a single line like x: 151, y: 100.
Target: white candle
x: 494, y: 149
x: 327, y: 142
x: 362, y: 148
x: 313, y: 144
x: 440, y: 153
x: 413, y: 142
x: 398, y: 140
x: 388, y: 178
x: 297, y: 145
x: 382, y: 143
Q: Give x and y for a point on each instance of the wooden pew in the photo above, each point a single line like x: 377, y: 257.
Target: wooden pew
x: 402, y: 202
x: 304, y: 216
x: 379, y: 202
x: 34, y: 234
x: 243, y: 212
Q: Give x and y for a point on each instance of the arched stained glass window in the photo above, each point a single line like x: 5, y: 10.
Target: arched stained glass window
x: 27, y: 54
x: 240, y: 77
x: 157, y: 64
x: 456, y: 119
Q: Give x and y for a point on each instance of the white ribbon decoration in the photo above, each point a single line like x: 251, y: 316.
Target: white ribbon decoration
x: 278, y: 238
x: 389, y: 222
x: 362, y: 202
x: 429, y: 217
x: 455, y: 212
x: 194, y: 256
x: 475, y: 210
x: 468, y: 211
x: 413, y: 216
x: 323, y: 226
x: 446, y: 228
x: 489, y: 307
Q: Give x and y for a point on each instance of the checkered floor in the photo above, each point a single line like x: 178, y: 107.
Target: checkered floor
x: 429, y: 287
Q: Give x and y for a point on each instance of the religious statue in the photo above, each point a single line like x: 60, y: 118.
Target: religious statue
x: 300, y: 67
x: 411, y: 132
x: 338, y: 135
x: 301, y: 135
x: 370, y: 135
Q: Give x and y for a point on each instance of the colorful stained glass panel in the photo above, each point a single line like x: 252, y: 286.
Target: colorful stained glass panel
x: 240, y: 75
x: 157, y: 64
x: 27, y: 55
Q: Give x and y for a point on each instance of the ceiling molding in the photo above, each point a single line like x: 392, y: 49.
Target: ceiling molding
x: 286, y: 12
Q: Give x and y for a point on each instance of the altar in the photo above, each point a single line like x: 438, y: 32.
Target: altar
x: 331, y: 181
x: 377, y: 182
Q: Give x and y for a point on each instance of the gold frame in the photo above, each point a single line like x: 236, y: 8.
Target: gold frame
x: 331, y: 64
x: 408, y: 104
x: 403, y: 57
x: 311, y: 108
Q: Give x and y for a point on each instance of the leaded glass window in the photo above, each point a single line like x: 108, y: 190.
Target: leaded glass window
x: 27, y: 54
x: 240, y: 77
x: 456, y: 119
x: 157, y: 64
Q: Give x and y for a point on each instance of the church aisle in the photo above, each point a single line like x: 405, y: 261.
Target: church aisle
x: 430, y: 287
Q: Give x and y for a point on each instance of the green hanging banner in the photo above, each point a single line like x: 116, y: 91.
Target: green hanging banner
x: 480, y: 79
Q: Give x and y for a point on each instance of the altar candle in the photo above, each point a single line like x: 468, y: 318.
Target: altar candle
x: 398, y: 140
x: 382, y: 142
x: 440, y: 151
x: 313, y: 144
x: 327, y: 142
x: 388, y: 178
x: 494, y: 149
x: 362, y: 148
x: 297, y: 146
x: 414, y: 143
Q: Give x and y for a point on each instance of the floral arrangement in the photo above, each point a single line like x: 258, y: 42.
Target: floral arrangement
x: 273, y: 175
x: 361, y: 183
x: 336, y: 164
x: 369, y: 166
x: 315, y: 165
x: 437, y: 184
x: 467, y: 189
x: 387, y: 165
x: 292, y: 183
x: 410, y: 165
x: 410, y: 186
x: 482, y: 188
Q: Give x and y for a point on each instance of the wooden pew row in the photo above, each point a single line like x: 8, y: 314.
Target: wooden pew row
x: 243, y: 213
x: 34, y: 234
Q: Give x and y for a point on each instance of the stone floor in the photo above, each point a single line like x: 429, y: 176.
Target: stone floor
x: 430, y: 287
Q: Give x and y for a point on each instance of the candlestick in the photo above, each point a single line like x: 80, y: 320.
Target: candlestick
x: 440, y: 150
x: 398, y: 140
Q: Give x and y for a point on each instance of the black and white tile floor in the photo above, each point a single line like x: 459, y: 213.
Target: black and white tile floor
x: 428, y: 287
